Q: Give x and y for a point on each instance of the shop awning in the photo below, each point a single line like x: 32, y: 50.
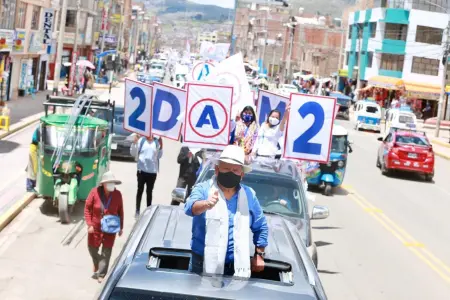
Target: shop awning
x: 386, y: 82
x: 422, y: 90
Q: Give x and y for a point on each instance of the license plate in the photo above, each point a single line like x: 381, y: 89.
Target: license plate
x: 114, y: 146
x: 412, y: 155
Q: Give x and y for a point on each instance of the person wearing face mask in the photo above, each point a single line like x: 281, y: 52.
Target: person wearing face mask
x: 246, y: 130
x: 104, y: 202
x: 223, y: 207
x: 270, y: 133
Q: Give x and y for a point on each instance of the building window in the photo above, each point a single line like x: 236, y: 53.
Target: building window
x: 71, y: 18
x: 373, y: 29
x: 426, y: 66
x: 395, y: 31
x: 35, y: 16
x: 429, y: 35
x: 369, y: 59
x: 392, y: 62
x: 430, y: 5
x: 350, y: 31
x: 347, y: 56
x: 21, y: 14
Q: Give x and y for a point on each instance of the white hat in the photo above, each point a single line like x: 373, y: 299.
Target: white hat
x: 108, y: 177
x: 235, y: 155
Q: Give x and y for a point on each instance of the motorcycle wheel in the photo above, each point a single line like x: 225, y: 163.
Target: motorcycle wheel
x: 63, y: 208
x: 328, y: 189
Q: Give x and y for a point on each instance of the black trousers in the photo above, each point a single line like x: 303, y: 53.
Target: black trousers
x: 145, y: 179
x: 185, y: 183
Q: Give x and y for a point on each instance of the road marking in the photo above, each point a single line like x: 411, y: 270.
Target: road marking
x: 419, y: 249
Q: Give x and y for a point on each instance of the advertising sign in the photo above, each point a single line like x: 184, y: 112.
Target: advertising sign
x: 6, y: 40
x: 23, y: 74
x: 309, y: 128
x: 36, y: 44
x: 47, y: 26
x: 88, y: 37
x: 19, y: 41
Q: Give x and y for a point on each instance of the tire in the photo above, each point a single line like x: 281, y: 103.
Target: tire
x: 63, y: 208
x: 378, y: 162
x: 175, y: 203
x: 429, y: 177
x: 385, y: 171
x: 328, y: 190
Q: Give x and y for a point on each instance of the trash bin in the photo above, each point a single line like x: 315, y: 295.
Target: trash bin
x: 21, y: 93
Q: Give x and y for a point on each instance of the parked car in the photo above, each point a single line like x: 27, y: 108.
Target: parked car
x: 274, y: 181
x: 409, y: 151
x: 155, y: 259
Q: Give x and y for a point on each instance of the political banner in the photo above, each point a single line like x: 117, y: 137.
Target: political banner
x: 309, y: 128
x: 168, y: 105
x: 267, y: 102
x: 216, y: 52
x: 207, y: 118
x: 138, y: 103
x: 231, y: 72
x: 202, y: 70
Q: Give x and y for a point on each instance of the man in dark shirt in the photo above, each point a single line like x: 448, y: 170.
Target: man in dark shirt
x: 189, y: 164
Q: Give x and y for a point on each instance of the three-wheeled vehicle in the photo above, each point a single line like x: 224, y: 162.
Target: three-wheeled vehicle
x: 74, y: 151
x: 327, y: 176
x: 368, y: 115
x: 344, y: 105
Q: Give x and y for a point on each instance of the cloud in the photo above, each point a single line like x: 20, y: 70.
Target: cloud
x: 221, y: 3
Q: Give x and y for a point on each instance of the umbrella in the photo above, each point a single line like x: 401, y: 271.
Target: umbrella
x: 85, y: 63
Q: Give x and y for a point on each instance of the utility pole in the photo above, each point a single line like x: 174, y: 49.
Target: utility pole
x: 75, y: 47
x: 121, y: 27
x: 341, y: 50
x: 444, y: 80
x: 291, y: 27
x: 104, y: 26
x: 263, y: 59
x: 62, y: 30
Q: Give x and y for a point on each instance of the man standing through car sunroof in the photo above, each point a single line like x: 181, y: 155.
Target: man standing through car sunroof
x: 224, y: 211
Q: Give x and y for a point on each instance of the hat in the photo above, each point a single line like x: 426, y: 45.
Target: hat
x: 108, y: 177
x: 235, y: 155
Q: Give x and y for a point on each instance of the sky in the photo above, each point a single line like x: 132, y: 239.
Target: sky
x: 221, y: 3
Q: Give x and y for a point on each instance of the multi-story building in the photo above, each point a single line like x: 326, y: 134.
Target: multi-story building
x: 7, y: 12
x: 207, y: 37
x: 401, y: 39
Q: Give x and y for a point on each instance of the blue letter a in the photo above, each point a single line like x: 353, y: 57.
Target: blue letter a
x: 203, y: 120
x: 170, y: 98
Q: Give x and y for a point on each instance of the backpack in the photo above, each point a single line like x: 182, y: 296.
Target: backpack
x: 109, y: 223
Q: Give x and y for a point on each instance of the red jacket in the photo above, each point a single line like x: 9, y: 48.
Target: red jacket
x: 93, y: 217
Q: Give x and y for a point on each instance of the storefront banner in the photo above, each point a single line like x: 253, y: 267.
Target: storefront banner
x: 104, y: 19
x: 110, y: 39
x: 88, y: 37
x: 36, y: 45
x: 6, y: 40
x: 23, y: 74
x: 116, y: 18
x: 47, y: 25
x: 69, y: 38
x: 19, y: 41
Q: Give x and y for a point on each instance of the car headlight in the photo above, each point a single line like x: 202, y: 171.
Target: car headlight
x: 340, y: 164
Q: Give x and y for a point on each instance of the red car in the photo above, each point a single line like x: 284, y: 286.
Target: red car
x: 406, y: 151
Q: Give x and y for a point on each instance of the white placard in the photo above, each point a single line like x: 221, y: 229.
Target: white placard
x: 207, y: 118
x: 168, y: 105
x: 267, y: 102
x: 201, y: 71
x: 309, y: 129
x: 138, y: 107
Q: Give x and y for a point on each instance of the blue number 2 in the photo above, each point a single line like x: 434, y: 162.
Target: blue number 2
x: 133, y: 121
x: 302, y: 144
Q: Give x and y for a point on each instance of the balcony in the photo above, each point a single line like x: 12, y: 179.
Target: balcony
x: 396, y: 16
x: 390, y: 46
x: 390, y: 73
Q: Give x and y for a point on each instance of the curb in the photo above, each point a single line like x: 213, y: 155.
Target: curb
x: 16, y: 209
x: 19, y: 127
x: 442, y: 155
x: 440, y: 143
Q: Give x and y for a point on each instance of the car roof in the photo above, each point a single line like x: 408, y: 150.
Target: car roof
x: 410, y: 133
x: 170, y: 228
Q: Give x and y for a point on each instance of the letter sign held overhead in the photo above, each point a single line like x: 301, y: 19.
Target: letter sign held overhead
x: 267, y: 102
x: 207, y: 118
x: 168, y: 104
x: 138, y: 107
x: 310, y: 127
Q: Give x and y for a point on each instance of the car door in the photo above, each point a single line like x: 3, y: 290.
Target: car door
x: 387, y: 143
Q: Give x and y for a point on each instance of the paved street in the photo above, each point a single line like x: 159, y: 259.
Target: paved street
x: 385, y: 237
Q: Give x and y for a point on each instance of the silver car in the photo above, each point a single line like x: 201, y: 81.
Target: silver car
x: 154, y: 264
x: 279, y: 189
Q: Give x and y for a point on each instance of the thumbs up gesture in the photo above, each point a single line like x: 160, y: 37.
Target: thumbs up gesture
x: 213, y: 198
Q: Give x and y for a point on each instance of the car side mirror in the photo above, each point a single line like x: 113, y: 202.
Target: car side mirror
x: 320, y: 212
x: 179, y: 195
x: 380, y: 139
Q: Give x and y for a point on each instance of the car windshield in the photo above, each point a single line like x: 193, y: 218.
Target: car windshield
x: 180, y: 77
x: 414, y: 140
x: 271, y: 189
x: 405, y: 119
x: 372, y: 109
x: 80, y: 138
x: 339, y: 144
x: 158, y: 67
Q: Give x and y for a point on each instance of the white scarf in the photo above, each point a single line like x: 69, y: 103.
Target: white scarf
x: 216, y: 240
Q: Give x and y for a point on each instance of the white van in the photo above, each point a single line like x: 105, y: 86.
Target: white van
x: 400, y: 118
x: 367, y: 115
x: 179, y: 78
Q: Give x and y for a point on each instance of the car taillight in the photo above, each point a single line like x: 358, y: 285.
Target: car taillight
x: 430, y: 153
x: 395, y: 148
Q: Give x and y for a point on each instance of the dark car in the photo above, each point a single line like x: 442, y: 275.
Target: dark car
x: 121, y: 139
x: 279, y: 189
x: 154, y: 264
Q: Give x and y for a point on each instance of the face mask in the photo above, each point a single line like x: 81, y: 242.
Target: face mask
x: 247, y: 118
x: 228, y: 180
x: 110, y: 187
x: 274, y: 121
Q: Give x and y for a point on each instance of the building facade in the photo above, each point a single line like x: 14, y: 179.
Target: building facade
x: 7, y: 13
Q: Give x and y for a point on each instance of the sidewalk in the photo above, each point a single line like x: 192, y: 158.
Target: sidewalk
x: 441, y: 145
x: 24, y: 111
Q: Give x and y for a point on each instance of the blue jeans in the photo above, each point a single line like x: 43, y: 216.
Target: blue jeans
x: 196, y: 265
x: 31, y: 184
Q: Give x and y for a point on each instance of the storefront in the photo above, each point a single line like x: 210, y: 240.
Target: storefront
x: 419, y: 94
x: 6, y: 44
x: 384, y: 89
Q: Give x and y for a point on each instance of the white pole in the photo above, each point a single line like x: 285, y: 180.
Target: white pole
x: 62, y: 30
x: 75, y: 46
x: 444, y: 80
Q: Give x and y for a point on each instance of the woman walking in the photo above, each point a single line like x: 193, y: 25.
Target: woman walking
x: 104, y: 217
x: 246, y: 130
